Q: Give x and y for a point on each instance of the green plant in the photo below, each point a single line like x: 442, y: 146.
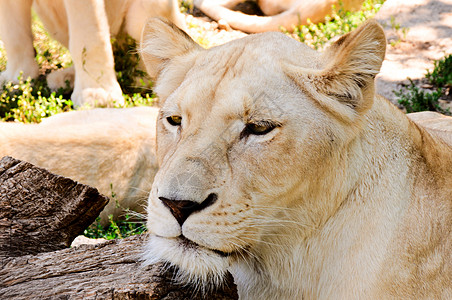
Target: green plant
x: 116, y: 229
x: 419, y: 100
x: 441, y: 76
x: 339, y: 23
x: 31, y: 100
x: 186, y: 6
x: 416, y: 99
x: 139, y: 99
x: 130, y: 77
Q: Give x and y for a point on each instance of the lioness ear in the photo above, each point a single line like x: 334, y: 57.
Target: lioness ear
x: 162, y: 41
x: 345, y: 84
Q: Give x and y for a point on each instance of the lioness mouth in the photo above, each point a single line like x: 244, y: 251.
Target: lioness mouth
x: 189, y: 244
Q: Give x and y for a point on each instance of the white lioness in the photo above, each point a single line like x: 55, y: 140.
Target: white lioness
x: 112, y: 150
x: 286, y: 13
x: 281, y: 165
x: 85, y: 27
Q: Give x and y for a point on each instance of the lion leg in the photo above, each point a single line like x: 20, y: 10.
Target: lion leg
x: 297, y: 14
x: 225, y: 3
x: 89, y: 43
x: 141, y: 10
x: 15, y: 32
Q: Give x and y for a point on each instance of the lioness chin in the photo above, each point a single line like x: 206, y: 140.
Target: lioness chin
x: 281, y: 165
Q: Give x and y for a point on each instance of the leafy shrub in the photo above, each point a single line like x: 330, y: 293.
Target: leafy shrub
x: 186, y: 6
x: 441, y: 76
x: 130, y: 77
x: 416, y: 99
x: 31, y: 100
x: 116, y: 229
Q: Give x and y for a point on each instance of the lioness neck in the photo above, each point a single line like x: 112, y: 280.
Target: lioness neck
x: 364, y: 212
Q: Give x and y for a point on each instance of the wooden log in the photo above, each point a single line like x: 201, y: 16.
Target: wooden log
x: 40, y: 211
x: 111, y: 270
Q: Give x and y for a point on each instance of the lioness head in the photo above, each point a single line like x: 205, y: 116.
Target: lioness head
x: 247, y: 133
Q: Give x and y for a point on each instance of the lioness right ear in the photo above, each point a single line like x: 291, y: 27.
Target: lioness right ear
x: 345, y: 85
x: 162, y: 41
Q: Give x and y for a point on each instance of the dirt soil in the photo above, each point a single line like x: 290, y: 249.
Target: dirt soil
x: 429, y: 37
x: 418, y: 32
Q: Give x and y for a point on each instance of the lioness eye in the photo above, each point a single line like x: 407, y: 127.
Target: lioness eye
x: 259, y: 129
x: 174, y: 120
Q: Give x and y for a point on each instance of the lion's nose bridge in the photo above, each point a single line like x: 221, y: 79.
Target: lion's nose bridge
x: 186, y: 188
x: 188, y: 179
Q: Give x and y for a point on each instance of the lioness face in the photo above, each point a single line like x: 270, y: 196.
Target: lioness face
x: 237, y: 141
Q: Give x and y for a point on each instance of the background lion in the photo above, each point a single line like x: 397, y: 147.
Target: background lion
x: 85, y: 27
x: 110, y: 149
x: 281, y: 165
x: 286, y: 13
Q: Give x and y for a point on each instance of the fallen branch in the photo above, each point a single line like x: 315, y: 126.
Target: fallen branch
x: 40, y: 211
x: 110, y: 270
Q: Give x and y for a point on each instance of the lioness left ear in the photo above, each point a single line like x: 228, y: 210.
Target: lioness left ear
x: 162, y: 41
x: 345, y: 85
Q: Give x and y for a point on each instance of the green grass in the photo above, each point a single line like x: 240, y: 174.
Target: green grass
x: 414, y: 99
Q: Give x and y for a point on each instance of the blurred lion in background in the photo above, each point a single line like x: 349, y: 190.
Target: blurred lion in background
x: 84, y: 27
x: 281, y: 13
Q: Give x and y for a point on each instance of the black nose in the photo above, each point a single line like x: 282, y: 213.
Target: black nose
x: 182, y: 209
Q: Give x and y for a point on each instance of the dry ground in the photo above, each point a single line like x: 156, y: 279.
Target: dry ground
x: 429, y: 37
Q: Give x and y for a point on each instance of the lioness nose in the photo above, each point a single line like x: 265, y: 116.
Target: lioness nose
x: 182, y: 209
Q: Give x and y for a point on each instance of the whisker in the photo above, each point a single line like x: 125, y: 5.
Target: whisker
x: 136, y: 214
x: 140, y: 189
x: 275, y: 234
x: 264, y: 242
x: 242, y: 248
x: 274, y: 207
x: 241, y: 253
x: 275, y: 221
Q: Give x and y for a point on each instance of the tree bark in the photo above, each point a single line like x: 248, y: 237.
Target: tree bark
x: 110, y: 270
x: 40, y: 211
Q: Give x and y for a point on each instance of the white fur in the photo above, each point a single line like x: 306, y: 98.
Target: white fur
x: 346, y: 199
x: 209, y: 270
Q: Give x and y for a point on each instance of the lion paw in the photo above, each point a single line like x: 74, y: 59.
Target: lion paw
x: 59, y: 78
x: 97, y: 97
x: 31, y: 71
